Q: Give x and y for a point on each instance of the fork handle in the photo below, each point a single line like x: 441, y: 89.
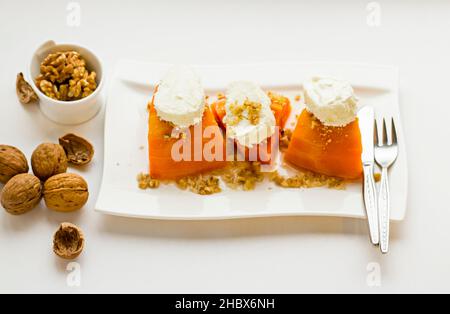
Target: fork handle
x: 370, y: 201
x: 384, y: 211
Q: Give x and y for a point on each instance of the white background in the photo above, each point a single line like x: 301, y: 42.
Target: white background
x: 263, y: 255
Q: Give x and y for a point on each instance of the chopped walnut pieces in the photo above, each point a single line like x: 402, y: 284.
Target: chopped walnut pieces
x: 277, y: 100
x: 48, y: 89
x: 285, y: 139
x: 64, y: 76
x: 201, y: 184
x: 249, y: 110
x: 145, y: 181
x: 243, y: 175
x: 307, y: 180
x: 298, y: 98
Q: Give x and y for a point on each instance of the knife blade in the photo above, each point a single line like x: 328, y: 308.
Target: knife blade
x: 366, y: 119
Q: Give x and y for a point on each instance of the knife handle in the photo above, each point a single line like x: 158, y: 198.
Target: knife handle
x: 370, y: 201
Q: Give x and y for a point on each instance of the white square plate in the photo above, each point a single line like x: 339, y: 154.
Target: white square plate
x: 126, y: 146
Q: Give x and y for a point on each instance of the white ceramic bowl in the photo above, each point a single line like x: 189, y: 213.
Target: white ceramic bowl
x: 68, y: 112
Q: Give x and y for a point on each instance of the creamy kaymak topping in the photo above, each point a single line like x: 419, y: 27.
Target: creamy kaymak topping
x: 249, y: 118
x: 332, y: 101
x: 180, y: 98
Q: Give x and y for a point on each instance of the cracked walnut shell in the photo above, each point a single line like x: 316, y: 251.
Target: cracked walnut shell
x: 79, y: 151
x: 47, y: 160
x: 68, y: 241
x: 24, y: 91
x: 21, y: 194
x: 12, y: 162
x: 66, y: 192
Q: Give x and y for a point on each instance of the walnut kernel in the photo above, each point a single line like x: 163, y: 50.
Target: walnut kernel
x: 243, y: 175
x: 307, y: 179
x: 145, y: 181
x: 64, y: 76
x: 200, y: 184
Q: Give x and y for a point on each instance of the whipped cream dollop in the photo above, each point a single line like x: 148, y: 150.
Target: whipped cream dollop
x: 332, y: 101
x: 180, y: 98
x: 249, y: 118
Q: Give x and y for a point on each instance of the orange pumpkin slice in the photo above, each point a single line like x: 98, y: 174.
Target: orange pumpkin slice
x: 281, y: 107
x: 333, y: 151
x: 201, y: 149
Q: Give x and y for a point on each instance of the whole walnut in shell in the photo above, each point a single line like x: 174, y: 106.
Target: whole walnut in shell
x: 12, y: 162
x: 47, y: 160
x: 66, y: 192
x: 68, y: 241
x: 21, y: 194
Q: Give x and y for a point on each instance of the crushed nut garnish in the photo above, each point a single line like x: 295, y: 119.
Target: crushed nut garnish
x: 201, y: 184
x: 243, y: 175
x: 307, y: 180
x: 252, y: 109
x: 220, y: 96
x: 63, y: 76
x: 285, y: 139
x: 277, y: 99
x: 145, y: 181
x: 298, y: 98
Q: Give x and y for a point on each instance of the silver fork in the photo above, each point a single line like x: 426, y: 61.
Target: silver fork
x: 386, y: 152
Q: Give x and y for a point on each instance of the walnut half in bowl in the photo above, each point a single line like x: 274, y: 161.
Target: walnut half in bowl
x: 68, y: 80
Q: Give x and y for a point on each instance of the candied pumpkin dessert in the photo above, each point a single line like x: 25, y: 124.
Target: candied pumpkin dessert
x: 184, y: 138
x: 248, y: 120
x: 165, y: 166
x: 327, y: 139
x: 333, y: 151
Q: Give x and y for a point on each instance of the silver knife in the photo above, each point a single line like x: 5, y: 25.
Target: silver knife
x: 366, y: 117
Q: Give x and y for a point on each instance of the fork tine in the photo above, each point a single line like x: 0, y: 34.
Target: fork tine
x: 385, y: 136
x: 375, y: 133
x: 394, y: 132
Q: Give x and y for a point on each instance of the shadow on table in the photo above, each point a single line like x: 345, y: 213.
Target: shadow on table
x: 255, y: 227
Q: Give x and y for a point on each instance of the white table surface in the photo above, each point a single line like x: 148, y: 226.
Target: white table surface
x: 265, y: 255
